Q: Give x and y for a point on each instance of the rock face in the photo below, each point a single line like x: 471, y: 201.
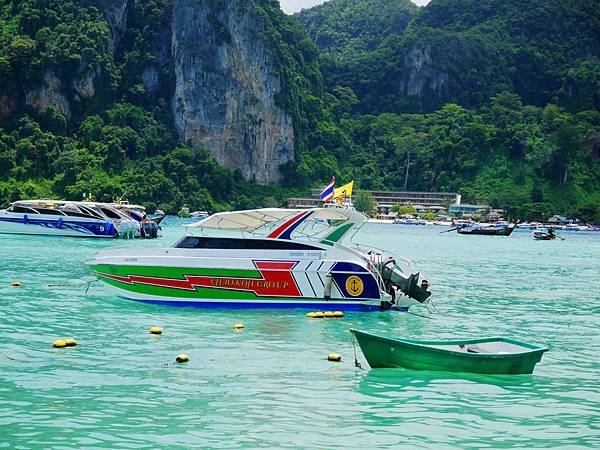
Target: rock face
x: 222, y: 86
x: 225, y: 86
x: 115, y: 14
x: 423, y: 82
x: 49, y: 95
x: 422, y: 76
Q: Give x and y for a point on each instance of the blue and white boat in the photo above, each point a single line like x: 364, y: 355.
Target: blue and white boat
x: 57, y: 218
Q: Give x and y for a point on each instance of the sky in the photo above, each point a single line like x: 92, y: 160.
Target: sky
x: 292, y: 6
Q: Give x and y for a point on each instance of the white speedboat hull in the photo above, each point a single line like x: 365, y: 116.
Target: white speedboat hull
x: 49, y: 225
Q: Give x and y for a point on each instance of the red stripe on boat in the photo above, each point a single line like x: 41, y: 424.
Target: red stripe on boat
x: 282, y: 228
x: 276, y: 280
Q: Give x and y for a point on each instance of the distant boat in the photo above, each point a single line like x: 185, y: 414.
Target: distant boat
x: 541, y: 235
x: 491, y: 355
x: 199, y: 214
x: 410, y: 222
x: 489, y: 230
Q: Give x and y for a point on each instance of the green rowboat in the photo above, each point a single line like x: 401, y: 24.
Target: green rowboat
x: 492, y: 355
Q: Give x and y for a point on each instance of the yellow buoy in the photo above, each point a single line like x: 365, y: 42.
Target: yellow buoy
x: 182, y: 358
x: 338, y: 314
x: 156, y: 330
x: 15, y: 284
x: 238, y: 326
x: 70, y: 342
x: 319, y: 314
x: 59, y: 343
x: 334, y: 357
x: 311, y: 315
x: 328, y: 314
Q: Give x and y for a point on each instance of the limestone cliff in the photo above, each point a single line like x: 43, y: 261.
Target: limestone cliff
x: 225, y: 87
x: 422, y: 77
x: 115, y: 14
x: 207, y: 59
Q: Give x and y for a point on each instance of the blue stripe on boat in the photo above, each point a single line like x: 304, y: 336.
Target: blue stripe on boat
x: 325, y: 306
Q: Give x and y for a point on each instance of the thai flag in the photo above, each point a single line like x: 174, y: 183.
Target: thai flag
x: 327, y: 194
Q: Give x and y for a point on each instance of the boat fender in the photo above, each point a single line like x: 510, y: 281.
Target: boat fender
x: 60, y: 223
x: 25, y: 219
x: 327, y: 286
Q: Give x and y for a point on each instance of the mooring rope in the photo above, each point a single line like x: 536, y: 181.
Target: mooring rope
x: 356, y: 363
x: 77, y: 283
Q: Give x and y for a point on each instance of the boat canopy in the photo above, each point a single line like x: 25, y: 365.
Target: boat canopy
x: 255, y: 219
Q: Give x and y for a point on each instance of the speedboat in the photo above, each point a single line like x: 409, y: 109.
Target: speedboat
x: 199, y: 214
x: 56, y: 218
x: 126, y: 225
x: 146, y: 226
x: 267, y: 258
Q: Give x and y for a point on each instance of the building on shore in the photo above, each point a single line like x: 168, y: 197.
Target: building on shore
x: 561, y: 220
x: 458, y: 209
x: 421, y: 201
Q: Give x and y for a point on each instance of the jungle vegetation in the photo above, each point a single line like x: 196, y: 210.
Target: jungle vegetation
x: 516, y: 124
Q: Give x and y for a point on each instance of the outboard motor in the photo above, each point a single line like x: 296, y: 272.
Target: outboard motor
x: 395, y: 278
x: 150, y: 230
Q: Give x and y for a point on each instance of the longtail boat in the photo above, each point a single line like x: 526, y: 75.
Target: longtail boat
x: 490, y: 230
x: 541, y: 235
x: 490, y: 355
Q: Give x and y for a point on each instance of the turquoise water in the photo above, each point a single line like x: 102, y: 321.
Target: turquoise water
x: 270, y: 384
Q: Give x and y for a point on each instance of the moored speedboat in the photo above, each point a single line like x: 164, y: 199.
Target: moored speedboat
x: 199, y: 214
x: 266, y: 258
x: 147, y: 226
x: 56, y: 218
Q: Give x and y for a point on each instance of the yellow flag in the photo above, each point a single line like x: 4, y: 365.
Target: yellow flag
x: 345, y: 190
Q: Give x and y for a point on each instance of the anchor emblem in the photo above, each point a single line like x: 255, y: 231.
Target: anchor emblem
x: 354, y: 286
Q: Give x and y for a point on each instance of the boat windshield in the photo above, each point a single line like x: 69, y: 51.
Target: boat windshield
x: 326, y: 224
x: 241, y: 244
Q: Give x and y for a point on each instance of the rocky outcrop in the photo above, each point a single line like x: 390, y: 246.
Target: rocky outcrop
x: 8, y: 104
x: 225, y: 88
x: 211, y: 60
x: 421, y: 77
x: 49, y: 95
x: 115, y: 14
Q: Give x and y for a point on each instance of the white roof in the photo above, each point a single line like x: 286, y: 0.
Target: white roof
x: 253, y: 219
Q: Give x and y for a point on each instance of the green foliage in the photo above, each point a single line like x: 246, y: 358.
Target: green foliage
x: 403, y: 209
x: 364, y: 202
x: 347, y: 29
x: 461, y: 51
x: 508, y: 113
